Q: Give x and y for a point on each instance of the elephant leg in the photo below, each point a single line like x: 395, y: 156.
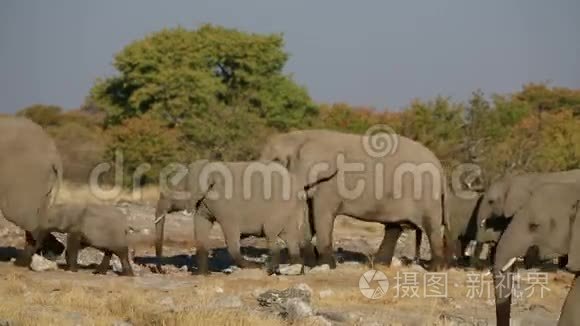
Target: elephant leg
x: 274, y: 267
x: 159, y: 238
x: 25, y: 257
x: 232, y: 236
x: 435, y: 235
x: 324, y: 223
x: 201, y: 230
x: 73, y: 243
x: 532, y: 257
x: 562, y: 262
x: 105, y: 263
x: 387, y: 247
x: 123, y: 255
x: 309, y: 254
x: 418, y: 239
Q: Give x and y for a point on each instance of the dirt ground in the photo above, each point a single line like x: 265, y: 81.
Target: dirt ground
x: 411, y: 297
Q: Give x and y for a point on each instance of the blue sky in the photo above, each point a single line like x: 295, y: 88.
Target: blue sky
x: 378, y: 53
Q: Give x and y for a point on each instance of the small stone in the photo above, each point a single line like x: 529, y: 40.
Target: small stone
x: 297, y: 309
x: 417, y: 268
x: 325, y: 293
x: 320, y: 269
x: 295, y: 269
x: 396, y: 262
x: 184, y: 268
x: 304, y: 287
x: 231, y: 301
x: 219, y: 290
x: 231, y: 269
x: 116, y: 265
x: 41, y: 264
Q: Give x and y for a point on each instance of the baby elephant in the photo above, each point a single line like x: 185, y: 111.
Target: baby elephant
x: 91, y: 225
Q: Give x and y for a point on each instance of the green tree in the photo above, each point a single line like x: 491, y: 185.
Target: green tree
x: 177, y: 74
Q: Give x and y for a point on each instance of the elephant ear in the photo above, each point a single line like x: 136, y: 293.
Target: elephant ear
x: 314, y: 163
x: 516, y: 196
x: 574, y: 249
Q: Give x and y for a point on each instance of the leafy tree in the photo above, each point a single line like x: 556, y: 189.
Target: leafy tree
x: 177, y: 74
x: 44, y: 115
x: 144, y: 140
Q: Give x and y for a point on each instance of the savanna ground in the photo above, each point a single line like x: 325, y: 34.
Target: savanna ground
x: 178, y: 298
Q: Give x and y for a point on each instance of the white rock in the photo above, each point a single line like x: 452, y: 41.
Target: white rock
x: 219, y: 290
x: 116, y: 265
x: 41, y: 264
x: 304, y: 287
x: 295, y: 269
x: 325, y: 293
x: 298, y: 309
x: 320, y: 269
x: 396, y: 262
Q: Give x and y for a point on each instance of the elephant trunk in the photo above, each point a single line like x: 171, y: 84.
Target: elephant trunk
x: 514, y: 243
x: 502, y: 282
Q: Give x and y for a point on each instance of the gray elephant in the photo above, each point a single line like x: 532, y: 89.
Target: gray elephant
x: 247, y: 198
x: 548, y: 221
x: 508, y: 194
x: 570, y: 315
x: 167, y: 204
x: 463, y: 210
x: 30, y: 175
x: 394, y: 181
x: 99, y: 226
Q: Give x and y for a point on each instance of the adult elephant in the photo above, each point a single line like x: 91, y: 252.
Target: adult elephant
x: 506, y: 196
x: 550, y: 222
x: 30, y: 175
x: 383, y: 178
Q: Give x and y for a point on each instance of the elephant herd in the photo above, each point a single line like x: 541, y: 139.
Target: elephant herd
x: 319, y: 174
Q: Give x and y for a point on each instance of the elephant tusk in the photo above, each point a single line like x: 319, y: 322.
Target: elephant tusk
x: 157, y: 219
x: 302, y: 195
x: 482, y: 223
x: 484, y: 251
x: 508, y: 265
x: 470, y: 248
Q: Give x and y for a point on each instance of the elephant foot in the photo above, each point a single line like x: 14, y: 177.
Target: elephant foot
x: 248, y: 264
x: 23, y: 260
x: 327, y: 259
x: 99, y: 272
x: 128, y: 273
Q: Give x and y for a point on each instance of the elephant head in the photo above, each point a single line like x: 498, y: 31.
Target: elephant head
x: 491, y: 210
x: 547, y: 221
x: 300, y: 152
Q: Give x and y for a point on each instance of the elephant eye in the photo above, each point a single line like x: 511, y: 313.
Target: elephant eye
x: 533, y: 226
x: 490, y: 201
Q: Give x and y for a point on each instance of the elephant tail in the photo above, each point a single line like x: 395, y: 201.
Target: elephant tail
x: 446, y: 221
